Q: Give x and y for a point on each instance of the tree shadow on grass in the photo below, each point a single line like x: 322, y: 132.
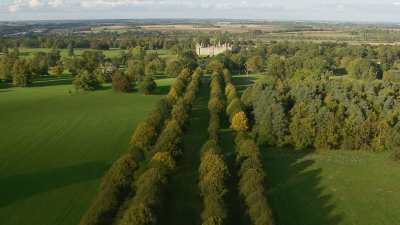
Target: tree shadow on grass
x: 161, y: 90
x: 4, y: 86
x: 236, y: 207
x: 51, y: 82
x: 243, y: 82
x: 295, y: 192
x: 184, y: 200
x: 23, y: 186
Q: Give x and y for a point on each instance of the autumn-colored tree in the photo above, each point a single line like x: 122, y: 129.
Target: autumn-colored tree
x: 240, y: 122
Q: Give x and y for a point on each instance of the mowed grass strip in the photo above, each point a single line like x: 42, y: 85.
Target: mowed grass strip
x: 333, y: 188
x: 184, y: 201
x: 56, y: 144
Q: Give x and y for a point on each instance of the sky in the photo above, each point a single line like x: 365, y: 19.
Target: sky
x: 322, y: 10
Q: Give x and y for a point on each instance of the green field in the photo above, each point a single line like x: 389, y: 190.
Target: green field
x: 333, y: 188
x: 56, y: 145
x: 112, y: 53
x: 28, y: 52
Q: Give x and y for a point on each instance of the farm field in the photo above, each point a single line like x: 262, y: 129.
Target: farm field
x: 56, y: 146
x: 333, y: 188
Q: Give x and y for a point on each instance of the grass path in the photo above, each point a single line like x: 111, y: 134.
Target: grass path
x: 184, y: 201
x: 236, y: 207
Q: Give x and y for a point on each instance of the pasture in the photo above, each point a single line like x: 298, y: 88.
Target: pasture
x: 333, y: 188
x: 57, y: 144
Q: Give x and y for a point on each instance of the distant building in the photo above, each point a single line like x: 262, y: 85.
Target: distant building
x: 212, y: 50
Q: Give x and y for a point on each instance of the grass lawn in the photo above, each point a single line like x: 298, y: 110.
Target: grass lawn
x: 333, y: 188
x: 55, y: 147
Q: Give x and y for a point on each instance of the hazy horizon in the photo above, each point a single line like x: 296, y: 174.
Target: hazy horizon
x: 281, y: 10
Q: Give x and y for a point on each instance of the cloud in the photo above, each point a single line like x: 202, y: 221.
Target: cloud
x: 360, y: 10
x: 18, y: 5
x: 56, y: 3
x: 35, y: 3
x: 111, y: 3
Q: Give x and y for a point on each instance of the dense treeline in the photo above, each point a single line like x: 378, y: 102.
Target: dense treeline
x: 307, y: 60
x: 22, y: 71
x: 248, y: 159
x: 326, y: 114
x: 100, y: 41
x: 146, y: 205
x: 117, y: 183
x: 90, y: 69
x: 213, y: 171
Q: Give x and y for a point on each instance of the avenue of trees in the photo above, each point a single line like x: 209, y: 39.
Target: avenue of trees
x: 157, y: 138
x: 248, y: 159
x: 213, y: 171
x: 148, y: 201
x: 149, y: 135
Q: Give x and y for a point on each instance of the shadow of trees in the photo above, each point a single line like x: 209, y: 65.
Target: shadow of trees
x: 184, y: 200
x: 19, y: 187
x: 243, y: 82
x: 161, y: 90
x: 51, y: 82
x: 295, y: 192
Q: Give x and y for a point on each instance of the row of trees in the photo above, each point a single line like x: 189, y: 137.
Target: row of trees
x: 326, y: 114
x: 117, y: 183
x: 147, y: 204
x: 99, y: 41
x: 22, y: 71
x: 213, y: 171
x: 248, y: 159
